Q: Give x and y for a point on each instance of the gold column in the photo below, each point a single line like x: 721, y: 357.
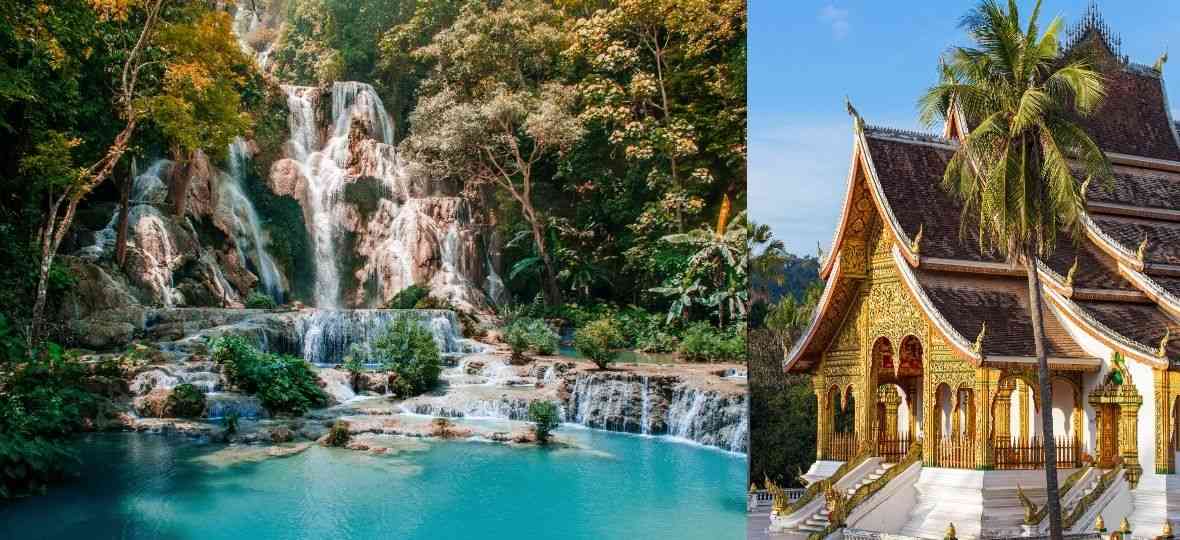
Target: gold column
x: 1129, y: 440
x: 986, y: 381
x: 911, y: 394
x: 956, y: 412
x: 931, y: 423
x: 1164, y: 458
x: 1025, y: 393
x: 823, y: 420
x: 866, y: 411
x: 892, y: 401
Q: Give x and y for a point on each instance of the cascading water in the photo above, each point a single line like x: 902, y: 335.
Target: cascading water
x: 325, y: 168
x: 327, y: 336
x: 250, y: 243
x: 655, y: 405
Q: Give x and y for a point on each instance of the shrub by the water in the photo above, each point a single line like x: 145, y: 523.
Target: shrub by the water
x: 338, y: 435
x: 543, y: 415
x: 185, y: 401
x: 283, y: 383
x: 598, y: 341
x: 409, y: 350
x: 408, y: 297
x: 702, y: 342
x: 44, y: 400
x: 526, y: 334
x: 259, y: 300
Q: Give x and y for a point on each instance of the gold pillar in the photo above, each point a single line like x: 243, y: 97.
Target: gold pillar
x: 1025, y: 393
x: 911, y: 393
x: 1129, y: 440
x: 986, y: 381
x: 892, y: 401
x: 956, y: 412
x: 866, y: 411
x: 931, y: 421
x: 823, y: 419
x: 1164, y: 457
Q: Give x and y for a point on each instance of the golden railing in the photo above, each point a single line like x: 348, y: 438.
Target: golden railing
x: 841, y: 446
x: 892, y: 450
x: 1030, y: 454
x: 955, y: 453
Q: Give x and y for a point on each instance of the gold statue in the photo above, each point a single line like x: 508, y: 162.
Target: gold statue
x: 1125, y: 526
x: 950, y: 532
x: 1100, y: 525
x: 1167, y: 532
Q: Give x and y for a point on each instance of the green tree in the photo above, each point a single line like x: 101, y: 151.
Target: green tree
x: 716, y: 275
x: 493, y: 108
x: 409, y: 350
x: 198, y: 107
x: 543, y: 415
x: 598, y: 340
x: 1013, y: 171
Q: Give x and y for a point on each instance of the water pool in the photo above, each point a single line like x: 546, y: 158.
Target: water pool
x: 616, y: 486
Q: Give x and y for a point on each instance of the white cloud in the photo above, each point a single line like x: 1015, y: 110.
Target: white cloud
x: 837, y: 18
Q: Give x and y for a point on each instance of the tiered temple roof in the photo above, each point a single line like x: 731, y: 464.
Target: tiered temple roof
x: 1119, y: 284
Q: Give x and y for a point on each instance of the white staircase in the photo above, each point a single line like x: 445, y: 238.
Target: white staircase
x: 820, y: 520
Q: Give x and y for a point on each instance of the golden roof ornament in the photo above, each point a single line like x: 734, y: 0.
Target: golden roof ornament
x: 1125, y: 526
x: 1162, y: 351
x: 950, y: 532
x: 1159, y: 62
x: 916, y: 243
x: 1073, y: 270
x: 1086, y: 187
x: 1100, y: 525
x: 857, y: 121
x: 1167, y: 522
x: 753, y: 487
x: 1141, y: 253
x: 978, y: 347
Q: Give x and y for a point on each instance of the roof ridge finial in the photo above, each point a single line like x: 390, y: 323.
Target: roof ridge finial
x: 857, y: 121
x: 1159, y: 62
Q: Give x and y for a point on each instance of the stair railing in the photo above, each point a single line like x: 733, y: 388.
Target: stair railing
x: 843, y: 505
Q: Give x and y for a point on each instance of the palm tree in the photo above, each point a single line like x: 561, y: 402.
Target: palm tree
x: 767, y: 256
x: 1013, y: 173
x: 717, y: 267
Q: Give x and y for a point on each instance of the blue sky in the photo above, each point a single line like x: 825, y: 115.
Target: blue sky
x: 805, y: 56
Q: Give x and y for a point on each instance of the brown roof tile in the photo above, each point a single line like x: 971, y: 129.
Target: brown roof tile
x: 968, y: 301
x: 1095, y: 270
x: 1141, y: 323
x: 911, y: 178
x: 1163, y: 238
x: 1133, y: 118
x: 1139, y: 187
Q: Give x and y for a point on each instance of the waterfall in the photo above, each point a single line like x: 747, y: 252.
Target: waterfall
x: 146, y: 188
x: 248, y: 237
x: 325, y: 168
x: 659, y: 405
x: 645, y: 419
x: 327, y: 335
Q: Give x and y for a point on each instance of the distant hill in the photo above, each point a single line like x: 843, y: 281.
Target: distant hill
x: 798, y: 273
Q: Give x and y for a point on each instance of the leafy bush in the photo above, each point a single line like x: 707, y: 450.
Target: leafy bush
x: 645, y: 331
x: 185, y: 401
x: 408, y: 297
x: 44, y: 400
x: 526, y: 334
x: 409, y: 350
x: 598, y: 340
x: 702, y: 342
x: 543, y: 415
x: 259, y: 300
x: 338, y: 435
x: 283, y: 383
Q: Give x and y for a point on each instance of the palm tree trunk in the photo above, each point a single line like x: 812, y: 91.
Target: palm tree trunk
x: 1053, y: 497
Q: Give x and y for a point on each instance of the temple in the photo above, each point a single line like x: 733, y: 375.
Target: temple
x: 921, y: 349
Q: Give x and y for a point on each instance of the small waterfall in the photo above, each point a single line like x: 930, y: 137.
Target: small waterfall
x: 327, y: 335
x: 146, y: 188
x: 251, y: 245
x: 656, y: 405
x: 247, y: 22
x: 645, y: 419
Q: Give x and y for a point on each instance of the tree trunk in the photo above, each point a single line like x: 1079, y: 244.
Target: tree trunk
x: 548, y: 275
x: 124, y: 210
x: 178, y: 184
x: 1053, y: 497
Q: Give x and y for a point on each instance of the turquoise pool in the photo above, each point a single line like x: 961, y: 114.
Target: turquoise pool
x: 617, y: 486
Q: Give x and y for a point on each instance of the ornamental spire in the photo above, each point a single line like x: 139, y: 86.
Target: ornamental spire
x: 857, y: 122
